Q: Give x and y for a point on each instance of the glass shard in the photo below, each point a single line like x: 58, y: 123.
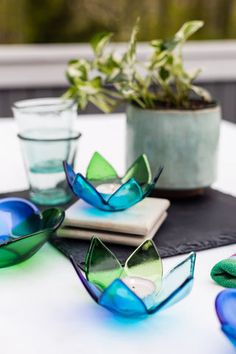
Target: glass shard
x: 99, y: 169
x: 120, y: 299
x: 102, y: 267
x: 140, y: 170
x: 146, y: 263
x: 176, y: 284
x: 126, y: 196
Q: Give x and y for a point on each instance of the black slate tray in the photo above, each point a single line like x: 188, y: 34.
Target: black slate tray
x: 193, y: 224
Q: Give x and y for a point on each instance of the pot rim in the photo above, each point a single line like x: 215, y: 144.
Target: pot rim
x: 217, y: 107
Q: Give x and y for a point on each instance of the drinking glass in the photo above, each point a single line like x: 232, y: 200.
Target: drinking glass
x: 44, y: 113
x: 44, y: 152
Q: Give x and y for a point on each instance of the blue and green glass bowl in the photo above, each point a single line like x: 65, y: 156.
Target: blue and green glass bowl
x: 24, y: 230
x: 225, y: 305
x: 138, y: 288
x: 135, y: 185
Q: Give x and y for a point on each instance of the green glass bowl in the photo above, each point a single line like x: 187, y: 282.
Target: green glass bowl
x: 103, y: 189
x: 137, y: 288
x: 24, y: 230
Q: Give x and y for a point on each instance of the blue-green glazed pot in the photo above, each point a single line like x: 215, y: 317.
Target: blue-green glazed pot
x: 184, y: 141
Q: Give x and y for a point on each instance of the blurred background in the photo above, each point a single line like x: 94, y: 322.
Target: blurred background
x: 65, y: 21
x: 38, y: 37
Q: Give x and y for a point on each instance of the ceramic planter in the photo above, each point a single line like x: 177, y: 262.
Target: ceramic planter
x: 184, y: 141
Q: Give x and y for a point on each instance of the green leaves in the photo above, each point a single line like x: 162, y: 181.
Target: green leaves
x: 164, y: 73
x: 100, y: 41
x: 201, y: 92
x: 166, y: 65
x: 78, y: 69
x: 110, y: 78
x: 188, y: 29
x: 130, y: 55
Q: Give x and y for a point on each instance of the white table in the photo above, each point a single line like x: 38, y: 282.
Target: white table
x: 43, y: 306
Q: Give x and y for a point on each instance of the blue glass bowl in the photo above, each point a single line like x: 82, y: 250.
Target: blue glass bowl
x: 226, y: 311
x: 24, y: 230
x: 137, y: 288
x: 103, y: 189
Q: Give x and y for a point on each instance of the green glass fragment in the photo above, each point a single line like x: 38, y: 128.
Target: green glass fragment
x: 146, y: 263
x: 140, y: 170
x: 99, y: 169
x: 102, y: 267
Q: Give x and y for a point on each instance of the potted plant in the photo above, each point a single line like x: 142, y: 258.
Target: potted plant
x: 173, y: 121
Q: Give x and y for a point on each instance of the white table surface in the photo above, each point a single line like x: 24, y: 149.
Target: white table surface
x: 43, y: 306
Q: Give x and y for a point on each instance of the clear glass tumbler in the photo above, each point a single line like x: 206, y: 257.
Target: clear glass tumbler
x: 44, y: 113
x: 44, y: 152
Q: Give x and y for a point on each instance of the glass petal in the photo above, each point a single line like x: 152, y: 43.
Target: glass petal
x: 85, y: 190
x: 99, y: 169
x: 91, y: 289
x: 24, y: 247
x: 70, y: 174
x: 15, y: 211
x: 101, y: 265
x: 149, y: 187
x: 176, y: 284
x: 140, y: 170
x: 127, y: 195
x: 145, y: 262
x: 120, y: 299
x: 225, y: 307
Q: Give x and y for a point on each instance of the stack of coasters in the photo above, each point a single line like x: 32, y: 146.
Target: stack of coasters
x: 129, y: 227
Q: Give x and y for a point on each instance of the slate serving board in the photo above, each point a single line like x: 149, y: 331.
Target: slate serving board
x: 193, y: 224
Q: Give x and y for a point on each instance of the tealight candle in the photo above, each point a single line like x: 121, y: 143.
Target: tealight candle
x: 108, y: 188
x: 140, y: 286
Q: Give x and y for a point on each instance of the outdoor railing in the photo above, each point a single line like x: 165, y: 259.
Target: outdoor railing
x: 35, y: 70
